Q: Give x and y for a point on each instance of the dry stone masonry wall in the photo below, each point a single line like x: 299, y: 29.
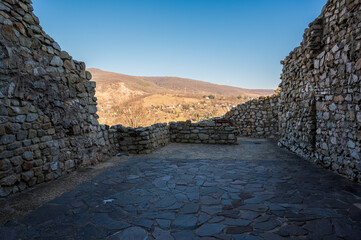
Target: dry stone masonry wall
x: 48, y: 121
x: 144, y: 140
x: 141, y: 140
x: 202, y: 132
x: 320, y: 99
x: 256, y: 118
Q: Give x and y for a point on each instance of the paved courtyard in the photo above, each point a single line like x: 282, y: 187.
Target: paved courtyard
x: 185, y: 191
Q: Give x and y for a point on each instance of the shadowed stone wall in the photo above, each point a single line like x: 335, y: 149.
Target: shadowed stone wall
x: 318, y: 107
x: 320, y: 99
x: 256, y: 118
x: 48, y: 121
x: 141, y: 140
x: 208, y: 132
x: 144, y: 140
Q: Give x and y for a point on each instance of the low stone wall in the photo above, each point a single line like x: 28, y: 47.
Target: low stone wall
x: 144, y: 140
x: 256, y: 118
x: 140, y: 140
x: 202, y: 132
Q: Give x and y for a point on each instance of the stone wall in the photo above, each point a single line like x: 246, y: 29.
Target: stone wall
x: 256, y: 118
x: 48, y: 121
x: 144, y: 140
x: 202, y: 132
x: 141, y: 140
x: 320, y: 99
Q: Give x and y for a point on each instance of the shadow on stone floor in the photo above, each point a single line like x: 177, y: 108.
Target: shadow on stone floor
x: 251, y: 191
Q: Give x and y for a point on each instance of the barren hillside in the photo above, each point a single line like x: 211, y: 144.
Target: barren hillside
x: 141, y: 101
x: 200, y: 87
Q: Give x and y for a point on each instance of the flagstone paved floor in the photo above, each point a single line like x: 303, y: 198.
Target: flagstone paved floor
x: 251, y: 191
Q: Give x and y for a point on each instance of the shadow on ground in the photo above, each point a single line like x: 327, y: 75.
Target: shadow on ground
x: 185, y: 191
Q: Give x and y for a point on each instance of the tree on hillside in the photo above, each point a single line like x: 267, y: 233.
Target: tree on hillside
x: 132, y: 113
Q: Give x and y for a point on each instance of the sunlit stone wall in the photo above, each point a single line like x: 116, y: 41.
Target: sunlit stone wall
x: 320, y: 99
x: 256, y: 118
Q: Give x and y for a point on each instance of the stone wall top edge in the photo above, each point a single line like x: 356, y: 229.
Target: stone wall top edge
x: 302, y: 47
x: 151, y: 127
x: 256, y: 100
x: 21, y: 11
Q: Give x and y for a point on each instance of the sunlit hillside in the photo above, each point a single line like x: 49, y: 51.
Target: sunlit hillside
x: 142, y: 101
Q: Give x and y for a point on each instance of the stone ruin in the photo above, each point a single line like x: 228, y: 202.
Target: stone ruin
x: 319, y: 105
x: 320, y: 101
x: 49, y: 126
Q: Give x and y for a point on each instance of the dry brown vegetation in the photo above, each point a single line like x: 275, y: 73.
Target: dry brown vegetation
x: 142, y: 101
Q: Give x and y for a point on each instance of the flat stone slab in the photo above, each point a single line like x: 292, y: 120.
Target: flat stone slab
x: 130, y: 233
x: 209, y: 229
x: 186, y: 191
x: 184, y: 222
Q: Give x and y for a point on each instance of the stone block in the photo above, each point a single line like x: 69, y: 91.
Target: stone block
x: 56, y: 62
x: 7, y: 139
x: 20, y: 118
x: 21, y: 135
x: 9, y: 180
x: 69, y: 164
x: 203, y: 136
x: 5, y: 165
x: 28, y: 155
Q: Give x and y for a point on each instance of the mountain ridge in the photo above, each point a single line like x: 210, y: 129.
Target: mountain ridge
x: 164, y: 84
x: 142, y: 101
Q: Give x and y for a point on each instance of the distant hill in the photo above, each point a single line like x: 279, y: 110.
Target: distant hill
x: 107, y: 80
x: 174, y: 84
x: 200, y: 87
x: 142, y: 101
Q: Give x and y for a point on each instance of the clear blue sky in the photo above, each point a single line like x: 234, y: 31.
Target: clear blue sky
x: 231, y: 42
